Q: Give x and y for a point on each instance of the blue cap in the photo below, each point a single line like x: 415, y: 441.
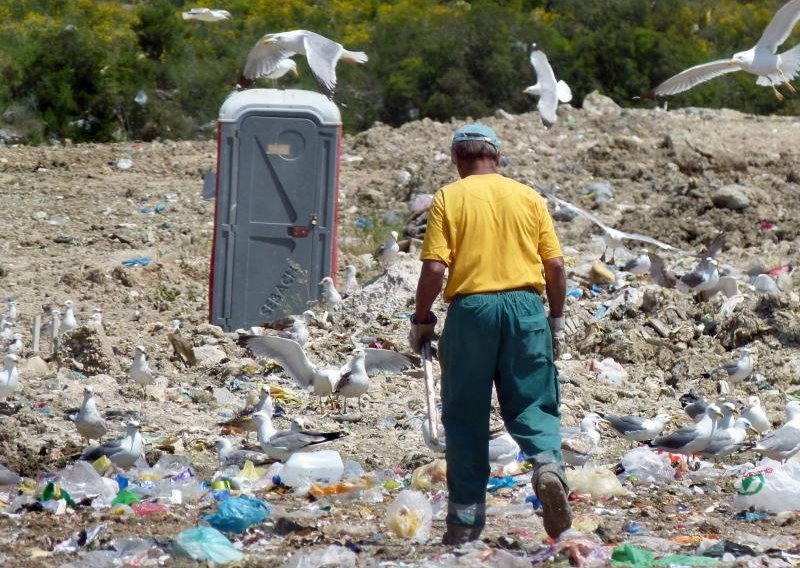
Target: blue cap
x: 476, y: 132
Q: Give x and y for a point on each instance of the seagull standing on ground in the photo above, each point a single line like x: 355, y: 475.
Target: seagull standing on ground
x: 756, y: 415
x: 350, y: 284
x: 578, y: 446
x: 636, y: 428
x: 704, y: 277
x: 725, y: 441
x: 69, y: 322
x: 244, y: 419
x: 11, y: 314
x: 227, y: 455
x: 9, y: 376
x: 503, y: 450
x: 692, y: 439
x: 330, y: 295
x: 638, y: 265
x: 16, y: 346
x: 322, y: 54
x: 762, y: 60
x: 740, y: 369
x: 549, y: 91
x: 89, y: 423
x: 6, y: 330
x: 280, y: 445
x: 123, y: 452
x: 784, y: 442
x: 97, y: 319
x: 140, y: 372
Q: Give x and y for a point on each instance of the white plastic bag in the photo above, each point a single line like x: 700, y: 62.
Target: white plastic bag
x: 410, y: 515
x: 643, y: 465
x: 769, y: 486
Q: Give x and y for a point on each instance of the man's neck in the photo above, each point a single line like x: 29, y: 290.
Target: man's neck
x: 476, y: 168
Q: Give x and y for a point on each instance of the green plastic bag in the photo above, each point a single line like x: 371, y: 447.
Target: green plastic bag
x: 125, y: 497
x: 630, y: 555
x: 53, y: 491
x: 205, y: 543
x: 683, y: 560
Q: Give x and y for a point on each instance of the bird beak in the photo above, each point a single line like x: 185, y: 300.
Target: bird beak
x: 718, y: 413
x: 732, y: 62
x: 753, y: 431
x: 735, y: 411
x: 267, y: 41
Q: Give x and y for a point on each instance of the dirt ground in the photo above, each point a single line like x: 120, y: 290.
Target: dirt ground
x: 71, y: 217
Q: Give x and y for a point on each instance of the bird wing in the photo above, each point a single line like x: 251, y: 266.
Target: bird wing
x: 293, y: 441
x: 377, y: 360
x: 263, y: 59
x: 676, y: 440
x: 548, y: 98
x: 626, y: 424
x: 687, y: 79
x: 781, y: 26
x: 323, y: 55
x: 652, y: 241
x: 714, y: 247
x: 583, y: 213
x: 783, y: 440
x: 659, y: 272
x: 694, y: 278
x: 287, y: 353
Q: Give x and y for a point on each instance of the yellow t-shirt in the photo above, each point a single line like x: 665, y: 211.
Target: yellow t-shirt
x: 492, y: 233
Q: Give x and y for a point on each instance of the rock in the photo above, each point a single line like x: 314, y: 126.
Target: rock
x: 208, y: 329
x: 600, y: 192
x: 35, y: 367
x: 731, y: 197
x: 209, y: 355
x: 601, y: 274
x: 596, y: 104
x: 500, y: 113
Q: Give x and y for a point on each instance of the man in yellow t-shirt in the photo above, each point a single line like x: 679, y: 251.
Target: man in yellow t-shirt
x: 495, y: 238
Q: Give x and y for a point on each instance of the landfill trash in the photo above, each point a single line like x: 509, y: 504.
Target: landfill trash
x: 119, y: 552
x: 495, y: 484
x: 722, y: 547
x: 600, y: 483
x: 420, y: 203
x: 140, y: 98
x: 329, y: 557
x: 8, y: 477
x: 206, y: 543
x: 631, y: 555
x: 600, y: 192
x: 124, y: 163
x: 410, y: 516
x: 54, y: 492
x: 324, y: 466
x: 136, y: 261
x: 81, y: 480
x: 79, y: 539
x: 477, y: 553
x: 751, y: 516
x: 426, y: 476
x: 769, y: 486
x: 235, y: 514
x: 643, y: 465
x: 609, y: 370
x: 126, y: 497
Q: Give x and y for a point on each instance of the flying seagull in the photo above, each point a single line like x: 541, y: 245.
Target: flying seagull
x: 322, y: 54
x: 772, y: 68
x: 612, y: 238
x: 206, y: 15
x: 549, y: 91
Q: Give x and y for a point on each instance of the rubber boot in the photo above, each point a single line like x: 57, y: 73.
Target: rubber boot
x: 555, y: 506
x: 460, y: 534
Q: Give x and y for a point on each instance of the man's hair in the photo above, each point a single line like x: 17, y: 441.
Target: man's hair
x: 471, y: 150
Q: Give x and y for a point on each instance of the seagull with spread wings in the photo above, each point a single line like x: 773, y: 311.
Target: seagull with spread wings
x: 772, y: 68
x: 272, y: 50
x: 549, y: 91
x: 613, y: 238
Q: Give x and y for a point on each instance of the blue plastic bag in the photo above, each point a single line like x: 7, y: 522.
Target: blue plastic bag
x: 235, y: 514
x: 205, y: 543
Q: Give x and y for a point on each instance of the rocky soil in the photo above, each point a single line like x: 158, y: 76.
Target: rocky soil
x: 72, y: 216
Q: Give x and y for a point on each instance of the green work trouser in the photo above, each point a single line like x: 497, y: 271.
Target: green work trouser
x: 501, y: 338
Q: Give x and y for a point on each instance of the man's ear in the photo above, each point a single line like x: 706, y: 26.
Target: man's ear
x: 497, y: 158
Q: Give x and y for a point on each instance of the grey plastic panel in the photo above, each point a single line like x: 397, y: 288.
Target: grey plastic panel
x: 277, y: 172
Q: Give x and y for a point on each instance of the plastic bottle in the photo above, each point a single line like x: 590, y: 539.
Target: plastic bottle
x: 320, y: 467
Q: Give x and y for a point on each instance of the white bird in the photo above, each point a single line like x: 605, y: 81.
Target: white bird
x: 9, y: 376
x: 756, y: 415
x: 16, y: 346
x: 69, y: 322
x: 281, y: 444
x: 578, y: 445
x: 324, y: 381
x: 725, y: 441
x: 612, y: 238
x: 549, y: 91
x: 762, y: 60
x: 350, y: 283
x: 123, y: 452
x: 330, y: 295
x: 227, y: 455
x: 691, y: 439
x: 784, y: 442
x: 6, y: 330
x: 97, y: 319
x: 640, y: 264
x: 283, y: 67
x: 354, y: 380
x: 89, y: 423
x: 704, y: 277
x: 140, y: 372
x: 503, y: 450
x: 50, y: 329
x: 206, y: 15
x: 739, y: 369
x: 636, y: 428
x: 389, y: 250
x: 322, y: 54
x: 11, y: 314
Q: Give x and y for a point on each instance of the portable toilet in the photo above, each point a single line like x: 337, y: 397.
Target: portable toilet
x: 276, y: 205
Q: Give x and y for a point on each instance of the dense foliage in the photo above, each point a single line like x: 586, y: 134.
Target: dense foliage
x: 103, y: 70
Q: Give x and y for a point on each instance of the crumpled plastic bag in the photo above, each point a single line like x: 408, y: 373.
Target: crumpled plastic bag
x: 205, y: 543
x: 235, y: 514
x: 334, y: 556
x: 426, y: 476
x: 769, y: 486
x: 643, y: 465
x: 410, y: 516
x: 600, y: 483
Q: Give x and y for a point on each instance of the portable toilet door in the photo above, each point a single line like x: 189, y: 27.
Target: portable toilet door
x: 276, y: 205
